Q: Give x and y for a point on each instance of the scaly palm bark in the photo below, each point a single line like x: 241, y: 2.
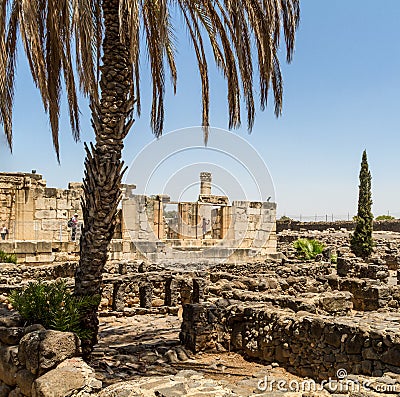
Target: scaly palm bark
x: 103, y: 164
x: 48, y: 30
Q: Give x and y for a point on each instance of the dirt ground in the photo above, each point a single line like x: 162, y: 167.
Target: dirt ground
x: 133, y: 347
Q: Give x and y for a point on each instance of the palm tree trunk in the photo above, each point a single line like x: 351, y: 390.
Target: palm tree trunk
x: 103, y: 165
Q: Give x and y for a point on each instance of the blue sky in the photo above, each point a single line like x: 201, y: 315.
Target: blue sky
x: 341, y: 96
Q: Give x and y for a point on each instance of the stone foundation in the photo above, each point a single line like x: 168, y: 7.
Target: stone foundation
x: 41, y: 252
x: 304, y: 343
x: 128, y: 287
x: 389, y: 225
x: 31, y: 210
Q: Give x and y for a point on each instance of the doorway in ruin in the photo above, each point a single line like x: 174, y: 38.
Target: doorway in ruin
x: 196, y: 221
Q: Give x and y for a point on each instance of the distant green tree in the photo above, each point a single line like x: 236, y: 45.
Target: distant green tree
x: 285, y: 218
x: 385, y: 218
x: 361, y: 242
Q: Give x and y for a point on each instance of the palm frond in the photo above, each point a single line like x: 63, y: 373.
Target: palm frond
x: 49, y: 28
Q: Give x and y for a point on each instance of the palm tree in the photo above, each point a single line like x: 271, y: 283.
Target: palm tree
x: 112, y: 33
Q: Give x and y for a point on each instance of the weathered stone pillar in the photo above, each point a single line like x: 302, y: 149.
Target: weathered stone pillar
x: 142, y: 267
x: 146, y: 294
x: 118, y: 303
x: 122, y: 268
x: 200, y: 327
x: 198, y: 290
x: 171, y: 292
x: 205, y: 183
x: 186, y: 292
x: 226, y: 220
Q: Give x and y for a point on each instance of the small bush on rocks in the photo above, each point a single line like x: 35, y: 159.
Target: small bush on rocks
x: 308, y: 249
x: 54, y: 306
x: 7, y: 258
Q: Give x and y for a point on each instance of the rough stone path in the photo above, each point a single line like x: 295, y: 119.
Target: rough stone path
x: 141, y: 356
x: 133, y: 347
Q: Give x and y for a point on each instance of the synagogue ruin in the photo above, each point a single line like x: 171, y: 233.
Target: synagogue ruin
x: 209, y: 228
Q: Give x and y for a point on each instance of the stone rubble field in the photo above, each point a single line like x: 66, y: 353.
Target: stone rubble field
x: 266, y: 328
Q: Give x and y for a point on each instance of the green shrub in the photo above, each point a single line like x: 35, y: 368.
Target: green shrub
x: 7, y: 258
x: 308, y: 249
x: 54, y: 306
x: 385, y: 218
x: 334, y: 258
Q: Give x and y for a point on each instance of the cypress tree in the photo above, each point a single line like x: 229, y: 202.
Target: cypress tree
x: 361, y: 243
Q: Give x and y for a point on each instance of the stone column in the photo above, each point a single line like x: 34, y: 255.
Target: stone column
x: 198, y: 290
x: 226, y: 223
x: 131, y: 208
x: 188, y: 220
x: 122, y: 268
x: 142, y: 268
x: 186, y: 292
x: 118, y: 303
x: 171, y: 292
x: 205, y: 183
x: 146, y: 294
x: 158, y: 223
x: 24, y: 205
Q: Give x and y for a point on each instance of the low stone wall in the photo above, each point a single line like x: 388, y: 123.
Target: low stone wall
x: 41, y: 363
x: 368, y: 282
x: 12, y: 275
x: 128, y: 287
x: 354, y: 267
x: 304, y: 343
x: 41, y: 252
x: 368, y: 295
x: 387, y: 244
x: 388, y: 226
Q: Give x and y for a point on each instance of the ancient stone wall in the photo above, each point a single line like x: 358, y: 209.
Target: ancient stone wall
x: 150, y: 292
x: 41, y: 252
x: 389, y: 226
x: 387, y: 244
x: 306, y: 344
x: 244, y: 229
x: 129, y: 287
x: 253, y: 225
x: 368, y: 282
x: 32, y: 211
x: 137, y: 214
